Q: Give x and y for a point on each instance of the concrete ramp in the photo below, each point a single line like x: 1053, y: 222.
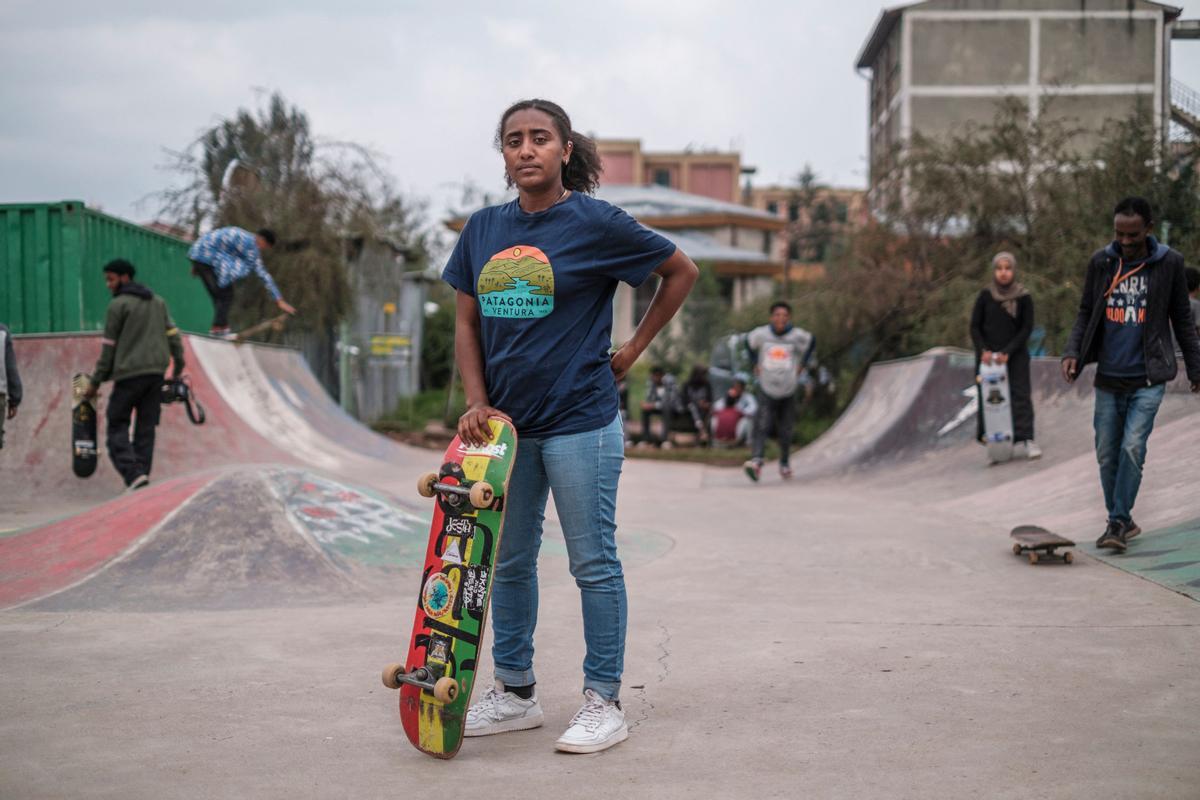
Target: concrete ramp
x: 263, y: 405
x: 901, y: 408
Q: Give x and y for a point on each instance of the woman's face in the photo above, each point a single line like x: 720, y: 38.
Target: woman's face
x: 534, y: 153
x: 1004, y: 272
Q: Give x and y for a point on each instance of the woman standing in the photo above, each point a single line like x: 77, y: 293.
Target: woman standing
x: 535, y: 280
x: 1000, y: 326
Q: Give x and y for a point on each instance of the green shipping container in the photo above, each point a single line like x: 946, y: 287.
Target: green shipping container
x: 51, y: 256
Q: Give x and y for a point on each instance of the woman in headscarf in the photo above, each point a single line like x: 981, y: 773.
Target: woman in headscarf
x: 1000, y: 326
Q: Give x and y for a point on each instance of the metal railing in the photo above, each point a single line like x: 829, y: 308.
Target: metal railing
x: 1185, y: 99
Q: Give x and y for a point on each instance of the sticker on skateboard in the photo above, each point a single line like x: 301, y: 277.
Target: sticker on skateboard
x: 1040, y: 544
x: 83, y: 427
x: 995, y: 400
x: 436, y: 680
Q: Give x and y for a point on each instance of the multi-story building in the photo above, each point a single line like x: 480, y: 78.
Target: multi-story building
x: 937, y: 65
x: 706, y: 173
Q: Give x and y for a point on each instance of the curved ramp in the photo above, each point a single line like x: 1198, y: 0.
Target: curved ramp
x: 263, y: 406
x: 902, y: 406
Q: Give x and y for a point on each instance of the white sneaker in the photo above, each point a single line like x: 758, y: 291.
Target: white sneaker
x: 137, y: 483
x: 1032, y: 450
x: 597, y: 726
x: 500, y: 711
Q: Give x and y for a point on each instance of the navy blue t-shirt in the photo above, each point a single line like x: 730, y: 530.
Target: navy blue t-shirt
x: 544, y: 283
x: 1122, y: 353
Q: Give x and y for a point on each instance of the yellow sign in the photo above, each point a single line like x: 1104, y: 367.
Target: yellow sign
x: 389, y: 308
x: 387, y: 344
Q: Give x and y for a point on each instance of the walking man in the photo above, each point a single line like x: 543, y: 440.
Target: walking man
x: 140, y: 341
x: 782, y: 354
x: 224, y: 256
x: 1133, y: 296
x: 10, y: 380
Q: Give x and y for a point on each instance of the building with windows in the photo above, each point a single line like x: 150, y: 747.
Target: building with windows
x: 706, y: 173
x: 934, y: 66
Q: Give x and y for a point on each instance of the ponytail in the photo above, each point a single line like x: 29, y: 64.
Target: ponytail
x: 582, y: 172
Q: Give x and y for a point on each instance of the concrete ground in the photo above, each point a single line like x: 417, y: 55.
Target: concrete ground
x: 795, y: 640
x: 861, y: 632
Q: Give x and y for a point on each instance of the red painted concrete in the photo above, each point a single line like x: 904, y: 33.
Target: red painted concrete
x: 54, y: 556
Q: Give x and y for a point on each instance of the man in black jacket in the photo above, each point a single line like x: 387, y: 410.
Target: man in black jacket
x: 1134, y: 294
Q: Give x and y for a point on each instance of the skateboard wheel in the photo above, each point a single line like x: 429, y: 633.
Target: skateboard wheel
x: 1033, y: 557
x: 391, y: 675
x: 1016, y: 549
x: 446, y: 689
x: 425, y: 484
x: 482, y: 494
x: 1069, y: 557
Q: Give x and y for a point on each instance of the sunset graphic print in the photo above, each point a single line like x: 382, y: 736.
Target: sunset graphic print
x: 516, y: 283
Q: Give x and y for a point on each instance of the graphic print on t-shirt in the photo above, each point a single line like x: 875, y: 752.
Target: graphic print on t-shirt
x: 516, y: 283
x: 1127, y: 303
x: 778, y: 357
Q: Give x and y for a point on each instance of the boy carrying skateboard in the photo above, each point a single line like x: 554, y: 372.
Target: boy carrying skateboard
x: 140, y: 341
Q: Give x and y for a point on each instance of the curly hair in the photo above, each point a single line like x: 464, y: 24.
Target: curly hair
x: 582, y: 172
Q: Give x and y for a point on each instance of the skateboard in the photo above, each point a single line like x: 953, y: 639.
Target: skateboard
x: 436, y: 679
x: 1038, y: 543
x: 274, y: 323
x: 997, y: 411
x: 83, y: 427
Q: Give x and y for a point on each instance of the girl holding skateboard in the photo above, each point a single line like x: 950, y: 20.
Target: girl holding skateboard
x: 535, y: 280
x: 1000, y: 325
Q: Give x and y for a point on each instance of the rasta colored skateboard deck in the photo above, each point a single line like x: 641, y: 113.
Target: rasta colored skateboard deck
x: 274, y: 323
x: 436, y: 679
x: 83, y: 428
x: 1038, y: 543
x: 997, y: 411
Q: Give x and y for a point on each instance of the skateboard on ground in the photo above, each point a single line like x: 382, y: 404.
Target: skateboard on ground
x: 997, y: 411
x: 1039, y: 543
x: 83, y: 427
x: 436, y: 679
x: 274, y: 323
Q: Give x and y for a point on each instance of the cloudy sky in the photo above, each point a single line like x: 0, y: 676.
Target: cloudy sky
x: 94, y: 92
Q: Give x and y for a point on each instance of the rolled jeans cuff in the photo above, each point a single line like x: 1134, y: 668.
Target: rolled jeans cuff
x: 515, y: 677
x: 609, y: 690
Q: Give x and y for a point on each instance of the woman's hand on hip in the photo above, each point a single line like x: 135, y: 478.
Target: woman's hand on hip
x: 622, y: 360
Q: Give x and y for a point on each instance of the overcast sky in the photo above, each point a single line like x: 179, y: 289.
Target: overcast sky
x: 93, y: 92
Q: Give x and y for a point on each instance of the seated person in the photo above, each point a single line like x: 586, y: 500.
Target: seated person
x: 662, y: 400
x: 733, y: 416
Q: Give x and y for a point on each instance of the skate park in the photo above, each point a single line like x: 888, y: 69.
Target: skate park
x: 863, y: 630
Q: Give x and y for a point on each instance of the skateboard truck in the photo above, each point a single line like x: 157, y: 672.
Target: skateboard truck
x: 480, y: 493
x: 443, y: 687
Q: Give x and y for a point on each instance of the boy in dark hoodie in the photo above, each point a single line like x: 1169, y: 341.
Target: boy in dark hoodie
x: 1134, y: 294
x: 10, y: 380
x: 140, y: 341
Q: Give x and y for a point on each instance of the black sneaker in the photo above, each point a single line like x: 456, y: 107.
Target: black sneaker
x: 1131, y: 530
x: 1114, y: 536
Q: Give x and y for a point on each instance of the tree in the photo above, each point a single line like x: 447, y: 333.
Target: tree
x: 906, y: 282
x: 263, y: 167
